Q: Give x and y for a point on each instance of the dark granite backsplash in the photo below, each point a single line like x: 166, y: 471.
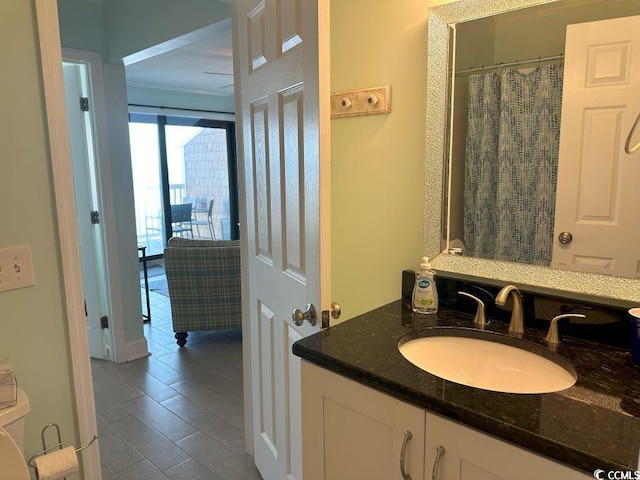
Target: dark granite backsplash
x: 602, y: 323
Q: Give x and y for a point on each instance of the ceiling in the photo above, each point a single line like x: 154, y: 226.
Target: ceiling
x: 199, y: 62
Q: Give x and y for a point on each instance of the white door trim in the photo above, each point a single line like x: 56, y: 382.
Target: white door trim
x: 247, y: 368
x: 107, y: 216
x: 51, y: 58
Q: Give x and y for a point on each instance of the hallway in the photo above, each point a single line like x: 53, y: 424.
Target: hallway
x: 177, y: 414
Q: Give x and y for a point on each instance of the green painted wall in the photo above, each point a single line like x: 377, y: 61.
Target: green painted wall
x: 33, y: 325
x: 377, y: 161
x: 81, y: 23
x: 132, y: 26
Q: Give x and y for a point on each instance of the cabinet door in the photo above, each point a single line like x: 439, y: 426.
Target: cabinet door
x: 352, y: 432
x: 471, y: 455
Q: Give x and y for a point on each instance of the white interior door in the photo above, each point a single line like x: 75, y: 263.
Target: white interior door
x: 76, y: 82
x: 598, y: 199
x: 282, y: 58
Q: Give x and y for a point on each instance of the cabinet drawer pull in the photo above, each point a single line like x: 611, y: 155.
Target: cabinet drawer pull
x: 407, y: 437
x: 436, y: 463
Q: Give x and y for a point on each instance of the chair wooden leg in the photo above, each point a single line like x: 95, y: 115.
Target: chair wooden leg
x: 181, y: 338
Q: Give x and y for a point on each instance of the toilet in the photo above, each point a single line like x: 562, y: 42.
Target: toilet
x: 14, y: 466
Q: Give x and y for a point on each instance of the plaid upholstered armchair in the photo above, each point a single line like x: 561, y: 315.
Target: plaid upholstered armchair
x: 204, y: 285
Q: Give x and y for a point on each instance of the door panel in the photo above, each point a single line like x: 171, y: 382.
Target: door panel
x: 289, y: 24
x: 597, y: 199
x: 266, y: 379
x: 256, y: 32
x: 602, y: 204
x: 292, y: 168
x: 261, y: 174
x: 279, y: 89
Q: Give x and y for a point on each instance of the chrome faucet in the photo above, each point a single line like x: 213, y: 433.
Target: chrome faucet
x: 516, y: 326
x: 553, y: 337
x: 480, y: 319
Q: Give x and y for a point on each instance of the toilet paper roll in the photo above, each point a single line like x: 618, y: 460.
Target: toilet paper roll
x: 56, y: 465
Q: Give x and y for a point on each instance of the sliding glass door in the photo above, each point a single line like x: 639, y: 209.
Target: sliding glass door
x: 185, y: 179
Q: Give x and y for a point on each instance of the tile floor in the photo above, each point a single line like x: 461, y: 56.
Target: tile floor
x: 177, y: 414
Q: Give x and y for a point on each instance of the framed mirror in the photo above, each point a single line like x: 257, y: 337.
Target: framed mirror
x: 445, y: 200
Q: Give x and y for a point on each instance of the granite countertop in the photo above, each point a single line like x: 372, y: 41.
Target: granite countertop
x: 594, y: 424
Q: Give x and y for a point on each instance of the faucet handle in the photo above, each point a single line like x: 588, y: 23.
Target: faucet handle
x: 480, y: 318
x: 516, y: 325
x: 553, y: 337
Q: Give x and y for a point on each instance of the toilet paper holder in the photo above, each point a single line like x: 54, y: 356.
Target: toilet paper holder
x: 58, y: 445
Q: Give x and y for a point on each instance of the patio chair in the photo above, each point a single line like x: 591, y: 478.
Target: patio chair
x: 208, y: 222
x: 181, y: 221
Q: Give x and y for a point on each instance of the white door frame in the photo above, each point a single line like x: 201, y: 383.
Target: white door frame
x: 53, y: 81
x: 110, y: 264
x: 247, y: 369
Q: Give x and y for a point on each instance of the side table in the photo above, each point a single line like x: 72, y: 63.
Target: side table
x: 142, y: 252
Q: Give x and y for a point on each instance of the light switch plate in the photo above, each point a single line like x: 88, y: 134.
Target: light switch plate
x: 16, y: 269
x: 367, y: 101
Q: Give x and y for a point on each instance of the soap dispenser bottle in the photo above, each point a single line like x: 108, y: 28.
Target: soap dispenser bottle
x: 425, y: 294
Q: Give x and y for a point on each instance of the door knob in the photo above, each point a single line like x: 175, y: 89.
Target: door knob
x: 309, y: 315
x: 565, y: 238
x: 336, y: 311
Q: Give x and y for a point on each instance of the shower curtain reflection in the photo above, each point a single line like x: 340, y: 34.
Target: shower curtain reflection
x: 511, y: 163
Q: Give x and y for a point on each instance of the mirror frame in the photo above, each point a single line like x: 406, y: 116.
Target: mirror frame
x: 578, y: 285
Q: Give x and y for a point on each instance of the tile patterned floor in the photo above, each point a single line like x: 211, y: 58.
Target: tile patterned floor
x: 177, y: 414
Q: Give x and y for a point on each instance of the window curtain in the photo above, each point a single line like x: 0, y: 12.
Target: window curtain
x: 511, y: 164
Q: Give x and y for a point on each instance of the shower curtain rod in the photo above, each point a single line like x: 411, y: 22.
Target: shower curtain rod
x: 511, y: 64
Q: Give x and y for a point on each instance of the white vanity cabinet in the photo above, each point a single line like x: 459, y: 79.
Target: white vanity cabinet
x: 471, y: 455
x: 352, y: 432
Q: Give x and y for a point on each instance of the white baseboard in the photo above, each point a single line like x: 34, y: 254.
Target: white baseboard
x: 137, y: 349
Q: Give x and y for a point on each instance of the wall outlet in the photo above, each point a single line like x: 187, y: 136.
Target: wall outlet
x: 16, y: 268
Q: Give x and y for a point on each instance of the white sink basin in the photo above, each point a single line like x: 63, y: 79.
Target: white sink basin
x: 478, y: 359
